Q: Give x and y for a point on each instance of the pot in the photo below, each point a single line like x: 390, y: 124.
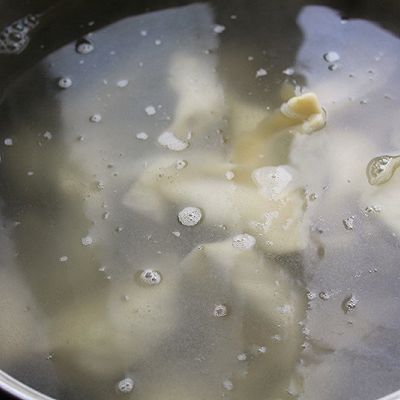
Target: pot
x: 39, y: 28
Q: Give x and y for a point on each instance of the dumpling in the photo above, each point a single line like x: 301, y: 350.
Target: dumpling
x: 117, y: 327
x: 264, y: 306
x: 240, y: 206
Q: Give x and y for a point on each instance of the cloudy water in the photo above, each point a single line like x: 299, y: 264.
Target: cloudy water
x: 197, y: 203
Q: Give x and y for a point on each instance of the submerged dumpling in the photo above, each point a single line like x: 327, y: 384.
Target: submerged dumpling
x: 269, y: 143
x: 118, y: 327
x: 252, y: 193
x: 263, y: 306
x: 241, y: 206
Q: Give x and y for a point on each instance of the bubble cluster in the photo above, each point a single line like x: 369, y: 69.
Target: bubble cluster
x: 87, y: 241
x: 220, y: 310
x: 262, y: 349
x: 125, y: 385
x: 324, y: 295
x: 171, y: 142
x: 84, y: 46
x: 381, y: 169
x: 311, y: 295
x: 190, y: 216
x: 349, y: 223
x: 150, y: 110
x: 349, y: 303
x: 150, y: 277
x: 15, y: 37
x: 375, y: 208
x: 244, y: 241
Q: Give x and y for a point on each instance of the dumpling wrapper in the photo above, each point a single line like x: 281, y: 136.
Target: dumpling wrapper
x: 278, y: 222
x: 264, y: 308
x: 269, y: 143
x: 106, y: 335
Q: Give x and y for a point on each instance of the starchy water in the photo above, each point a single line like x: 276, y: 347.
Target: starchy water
x: 201, y: 202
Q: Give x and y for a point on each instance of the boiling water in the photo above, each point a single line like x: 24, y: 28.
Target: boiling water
x: 168, y: 232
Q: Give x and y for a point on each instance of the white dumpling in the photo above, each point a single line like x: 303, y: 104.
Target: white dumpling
x: 264, y: 308
x: 270, y: 142
x: 116, y: 328
x: 200, y: 95
x: 278, y: 221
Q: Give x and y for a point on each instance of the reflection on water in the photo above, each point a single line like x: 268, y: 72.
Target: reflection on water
x: 134, y: 259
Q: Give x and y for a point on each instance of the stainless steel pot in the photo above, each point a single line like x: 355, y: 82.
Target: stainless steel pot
x: 69, y: 28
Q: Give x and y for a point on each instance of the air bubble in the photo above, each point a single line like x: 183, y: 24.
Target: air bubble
x: 150, y: 277
x: 150, y: 110
x: 381, y: 169
x: 243, y: 241
x: 331, y: 57
x: 313, y: 197
x: 229, y: 175
x: 142, y: 136
x: 349, y: 303
x: 219, y: 28
x: 100, y: 185
x: 180, y: 164
x: 288, y: 71
x: 95, y: 118
x: 84, y: 46
x: 324, y: 295
x: 125, y: 385
x: 87, y: 241
x: 170, y: 141
x: 220, y: 310
x: 65, y: 83
x: 190, y: 216
x: 123, y: 83
x: 262, y: 349
x: 227, y: 384
x: 261, y: 72
x: 311, y: 295
x: 349, y: 223
x: 47, y: 135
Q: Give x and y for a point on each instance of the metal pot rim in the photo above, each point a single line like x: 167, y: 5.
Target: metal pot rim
x: 24, y: 392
